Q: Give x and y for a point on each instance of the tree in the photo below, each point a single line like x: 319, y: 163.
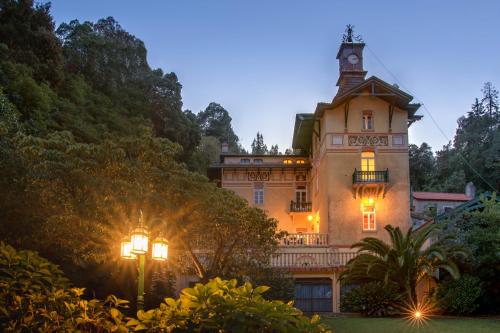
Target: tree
x: 422, y: 166
x: 28, y: 32
x: 478, y: 233
x: 404, y: 262
x: 490, y: 99
x: 207, y: 152
x: 215, y: 121
x: 274, y: 150
x: 258, y: 145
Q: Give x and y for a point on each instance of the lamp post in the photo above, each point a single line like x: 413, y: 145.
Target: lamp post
x: 136, y: 247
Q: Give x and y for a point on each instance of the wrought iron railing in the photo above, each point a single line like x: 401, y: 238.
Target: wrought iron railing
x: 304, y: 240
x: 311, y: 259
x: 370, y: 176
x: 300, y: 206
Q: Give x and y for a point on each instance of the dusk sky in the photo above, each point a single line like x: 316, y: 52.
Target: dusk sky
x: 265, y: 61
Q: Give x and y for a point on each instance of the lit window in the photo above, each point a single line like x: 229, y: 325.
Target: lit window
x: 257, y: 160
x: 258, y: 196
x: 287, y: 161
x: 368, y: 218
x: 367, y: 165
x: 397, y: 140
x: 367, y: 120
x: 338, y: 139
x: 245, y: 161
x: 300, y: 162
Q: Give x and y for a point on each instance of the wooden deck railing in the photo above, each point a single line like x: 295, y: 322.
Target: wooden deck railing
x: 311, y: 239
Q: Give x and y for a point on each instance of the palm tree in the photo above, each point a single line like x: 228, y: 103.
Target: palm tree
x: 403, y: 263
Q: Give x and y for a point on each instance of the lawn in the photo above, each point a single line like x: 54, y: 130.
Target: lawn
x: 396, y: 325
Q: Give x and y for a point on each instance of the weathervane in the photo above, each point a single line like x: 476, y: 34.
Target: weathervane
x: 349, y: 37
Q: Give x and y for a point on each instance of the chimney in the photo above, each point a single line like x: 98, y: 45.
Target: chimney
x: 470, y: 190
x: 224, y: 148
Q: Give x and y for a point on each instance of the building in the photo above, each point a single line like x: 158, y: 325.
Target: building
x: 350, y: 179
x: 436, y: 203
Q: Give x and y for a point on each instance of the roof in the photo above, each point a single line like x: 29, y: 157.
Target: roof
x: 373, y: 86
x: 437, y: 196
x: 302, y: 133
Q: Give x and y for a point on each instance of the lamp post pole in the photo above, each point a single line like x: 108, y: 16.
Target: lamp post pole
x: 136, y: 247
x: 141, y: 263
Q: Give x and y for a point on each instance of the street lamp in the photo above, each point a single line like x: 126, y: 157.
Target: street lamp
x: 137, y: 247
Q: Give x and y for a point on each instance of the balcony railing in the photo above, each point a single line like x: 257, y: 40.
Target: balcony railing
x: 362, y: 177
x: 311, y: 259
x: 304, y: 240
x: 300, y: 206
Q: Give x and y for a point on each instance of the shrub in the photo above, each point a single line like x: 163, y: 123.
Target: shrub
x: 372, y: 299
x: 222, y: 306
x: 34, y: 296
x: 459, y: 297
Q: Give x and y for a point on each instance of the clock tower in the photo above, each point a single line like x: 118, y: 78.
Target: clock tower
x: 350, y: 57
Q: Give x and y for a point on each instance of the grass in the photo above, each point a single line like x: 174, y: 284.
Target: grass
x: 399, y: 325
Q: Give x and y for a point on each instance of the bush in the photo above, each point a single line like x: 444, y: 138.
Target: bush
x: 222, y: 306
x: 372, y: 299
x: 459, y: 297
x: 35, y: 297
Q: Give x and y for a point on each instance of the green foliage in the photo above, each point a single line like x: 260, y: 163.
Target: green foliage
x: 422, y: 166
x: 222, y: 306
x: 402, y: 263
x: 34, y: 296
x: 372, y: 299
x: 478, y: 233
x: 258, y: 145
x: 459, y: 297
x: 215, y: 122
x: 281, y: 283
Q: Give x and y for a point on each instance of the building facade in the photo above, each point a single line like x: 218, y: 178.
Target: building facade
x: 349, y: 181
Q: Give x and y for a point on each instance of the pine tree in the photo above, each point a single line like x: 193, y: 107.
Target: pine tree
x: 258, y: 145
x: 274, y: 150
x: 490, y: 99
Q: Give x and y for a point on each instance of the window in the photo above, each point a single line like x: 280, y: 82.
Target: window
x: 338, y: 139
x: 257, y: 160
x: 258, y: 194
x: 369, y: 218
x: 300, y: 162
x: 245, y: 161
x: 367, y: 120
x: 300, y: 194
x: 397, y: 140
x: 367, y: 165
x: 287, y: 161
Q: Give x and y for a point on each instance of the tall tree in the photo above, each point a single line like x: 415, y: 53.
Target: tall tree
x: 274, y: 150
x: 258, y: 145
x: 490, y: 99
x: 215, y: 121
x: 422, y: 166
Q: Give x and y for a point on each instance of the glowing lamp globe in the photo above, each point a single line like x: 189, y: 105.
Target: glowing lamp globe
x: 139, y: 240
x: 126, y: 249
x: 160, y: 249
x: 309, y: 217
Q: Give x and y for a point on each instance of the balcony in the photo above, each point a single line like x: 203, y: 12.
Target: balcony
x: 370, y: 177
x: 370, y: 183
x: 311, y: 260
x: 312, y: 239
x: 300, y: 207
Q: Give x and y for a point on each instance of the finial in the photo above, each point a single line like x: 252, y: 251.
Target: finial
x: 349, y: 36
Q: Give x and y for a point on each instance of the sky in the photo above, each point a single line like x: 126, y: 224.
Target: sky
x: 264, y: 61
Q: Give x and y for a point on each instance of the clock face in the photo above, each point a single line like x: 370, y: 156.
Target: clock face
x: 353, y: 58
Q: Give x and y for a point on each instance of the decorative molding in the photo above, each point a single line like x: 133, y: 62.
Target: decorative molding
x: 262, y: 176
x: 368, y: 140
